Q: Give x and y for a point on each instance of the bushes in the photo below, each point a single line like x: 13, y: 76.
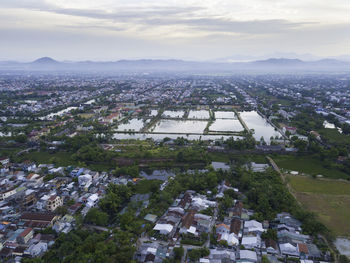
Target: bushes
x: 115, y: 199
x: 84, y: 246
x: 196, y: 254
x: 190, y: 239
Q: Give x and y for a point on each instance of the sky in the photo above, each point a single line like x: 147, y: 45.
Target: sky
x: 106, y: 30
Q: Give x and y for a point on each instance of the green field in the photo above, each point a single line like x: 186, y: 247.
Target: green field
x: 334, y: 137
x: 59, y: 158
x: 224, y: 157
x: 316, y: 186
x: 333, y: 210
x: 308, y: 165
x: 9, y: 151
x: 329, y: 199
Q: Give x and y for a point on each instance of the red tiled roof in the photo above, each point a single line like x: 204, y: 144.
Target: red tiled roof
x: 303, y: 248
x: 26, y: 232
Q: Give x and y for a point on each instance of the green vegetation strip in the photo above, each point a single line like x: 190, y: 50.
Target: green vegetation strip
x: 307, y: 164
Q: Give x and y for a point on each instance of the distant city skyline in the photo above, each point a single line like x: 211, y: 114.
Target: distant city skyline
x: 108, y: 30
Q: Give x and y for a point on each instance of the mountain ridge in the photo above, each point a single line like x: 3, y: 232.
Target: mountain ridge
x: 176, y: 65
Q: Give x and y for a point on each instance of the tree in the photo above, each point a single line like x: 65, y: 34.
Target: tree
x: 343, y: 259
x: 270, y: 234
x: 21, y: 138
x: 265, y: 259
x: 178, y: 253
x: 96, y: 217
x: 116, y: 197
x: 196, y: 254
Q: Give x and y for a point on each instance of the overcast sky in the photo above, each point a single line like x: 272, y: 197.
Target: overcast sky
x: 185, y: 29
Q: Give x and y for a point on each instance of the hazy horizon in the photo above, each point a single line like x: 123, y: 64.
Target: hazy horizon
x: 110, y: 30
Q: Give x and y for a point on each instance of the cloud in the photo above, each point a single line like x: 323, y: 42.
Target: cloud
x: 181, y: 28
x: 231, y: 26
x: 162, y: 16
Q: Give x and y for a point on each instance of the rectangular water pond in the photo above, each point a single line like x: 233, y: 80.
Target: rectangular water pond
x: 177, y: 126
x: 225, y: 115
x: 226, y: 125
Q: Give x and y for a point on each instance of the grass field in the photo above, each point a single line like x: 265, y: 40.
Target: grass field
x: 333, y: 210
x: 334, y: 137
x: 308, y: 165
x: 316, y: 186
x: 329, y: 199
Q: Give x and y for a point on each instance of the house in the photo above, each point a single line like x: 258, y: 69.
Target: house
x: 38, y: 220
x: 113, y: 116
x: 222, y: 229
x: 231, y: 239
x: 7, y: 193
x: 64, y: 225
x: 151, y: 252
x: 151, y: 218
x: 53, y: 202
x: 18, y: 251
x: 251, y: 242
x: 220, y: 166
x: 200, y: 203
x: 221, y: 255
x: 25, y: 236
x: 85, y: 181
x: 5, y: 252
x: 316, y: 135
x: 235, y: 226
x: 253, y: 226
x: 291, y: 130
x: 187, y: 222
x: 247, y: 256
x: 29, y: 198
x: 271, y: 246
x: 76, y: 172
x: 236, y: 211
x: 258, y: 167
x: 288, y: 249
x: 92, y: 200
x: 163, y: 229
x: 292, y: 237
x: 203, y: 223
x: 314, y: 252
x: 287, y: 219
x: 4, y: 161
x: 36, y: 249
x: 74, y: 208
x: 303, y: 250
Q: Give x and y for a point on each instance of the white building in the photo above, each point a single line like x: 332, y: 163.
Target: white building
x: 53, y: 202
x: 163, y: 229
x: 250, y: 242
x: 253, y: 226
x: 247, y: 256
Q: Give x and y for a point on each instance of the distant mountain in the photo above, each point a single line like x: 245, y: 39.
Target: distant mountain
x: 250, y: 58
x: 271, y: 65
x: 281, y: 61
x: 45, y: 60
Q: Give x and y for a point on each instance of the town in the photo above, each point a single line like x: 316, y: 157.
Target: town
x: 173, y: 168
